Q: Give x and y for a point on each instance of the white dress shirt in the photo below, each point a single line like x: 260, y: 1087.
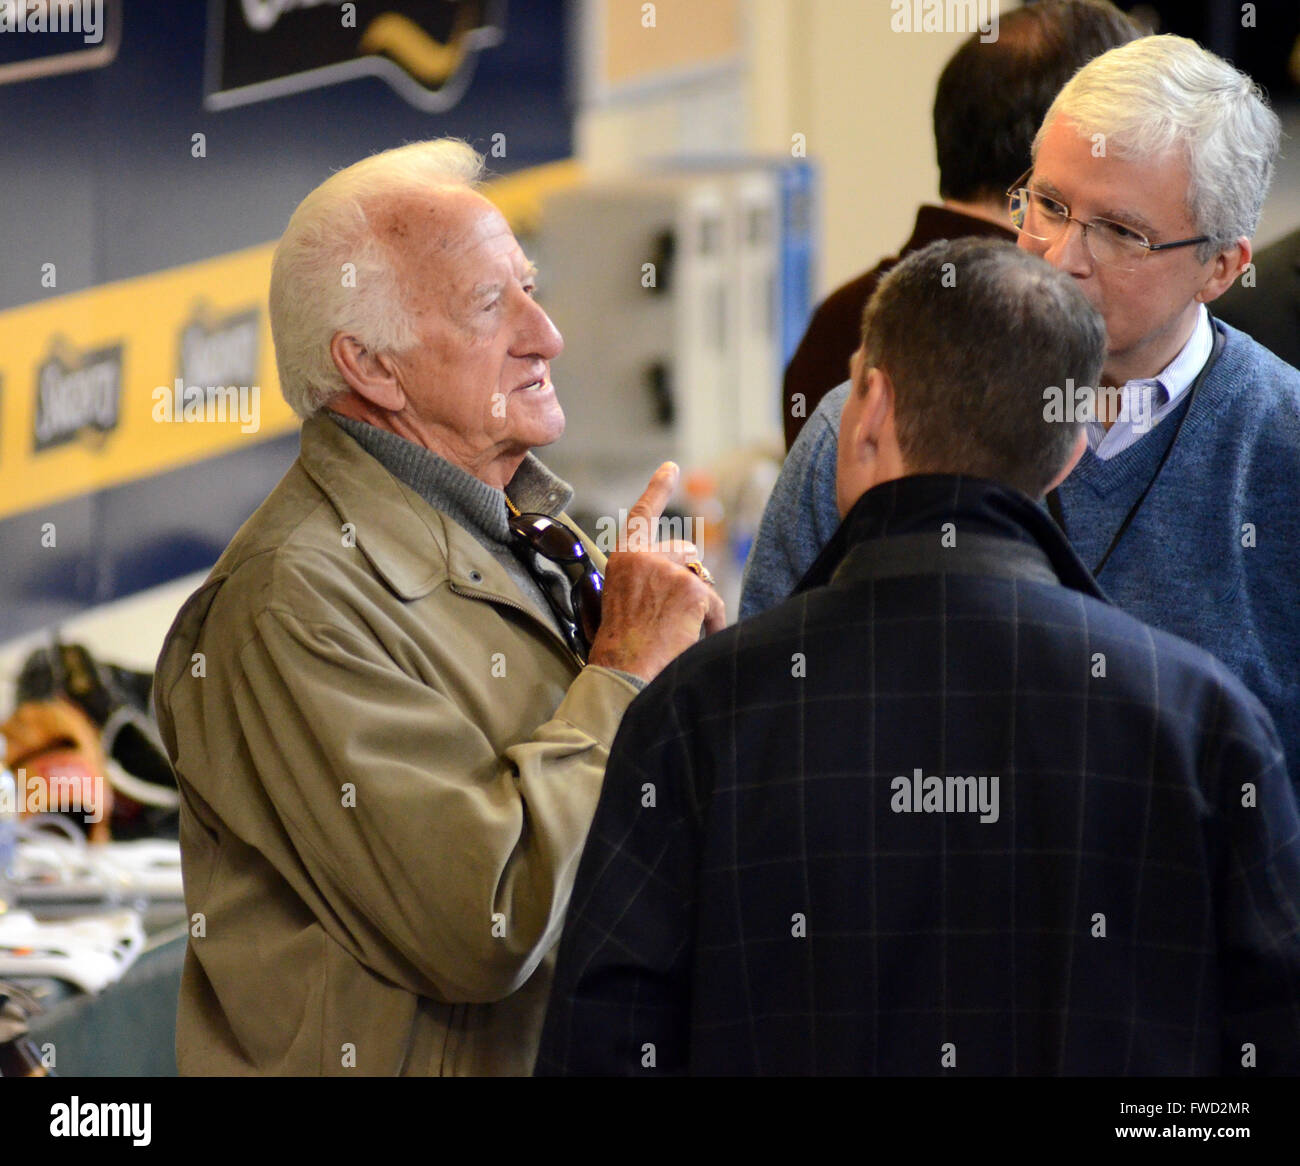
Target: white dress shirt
x: 1145, y: 403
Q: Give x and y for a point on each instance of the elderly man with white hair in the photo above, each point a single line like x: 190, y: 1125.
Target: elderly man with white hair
x: 1148, y: 175
x: 390, y: 705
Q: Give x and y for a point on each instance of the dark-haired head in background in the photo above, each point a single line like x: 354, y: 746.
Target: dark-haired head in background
x: 990, y: 100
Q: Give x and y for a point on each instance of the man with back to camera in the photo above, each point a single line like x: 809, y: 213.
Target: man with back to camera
x: 1183, y: 505
x: 390, y: 705
x: 990, y: 99
x: 904, y: 823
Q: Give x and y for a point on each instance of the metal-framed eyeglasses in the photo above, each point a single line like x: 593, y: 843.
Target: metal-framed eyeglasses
x: 1043, y: 218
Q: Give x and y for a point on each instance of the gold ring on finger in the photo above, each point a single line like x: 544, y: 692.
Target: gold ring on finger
x: 698, y: 568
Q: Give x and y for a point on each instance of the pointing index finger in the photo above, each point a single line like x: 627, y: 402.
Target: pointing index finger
x: 651, y: 504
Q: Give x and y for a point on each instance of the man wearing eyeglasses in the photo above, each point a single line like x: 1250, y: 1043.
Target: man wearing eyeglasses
x: 1148, y: 176
x: 390, y: 705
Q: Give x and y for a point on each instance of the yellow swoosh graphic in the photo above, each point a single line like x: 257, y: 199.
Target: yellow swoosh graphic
x: 415, y: 50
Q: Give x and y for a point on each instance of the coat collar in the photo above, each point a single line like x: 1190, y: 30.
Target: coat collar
x: 923, y: 503
x: 408, y: 543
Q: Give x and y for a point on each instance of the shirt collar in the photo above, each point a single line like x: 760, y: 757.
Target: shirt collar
x: 1180, y: 372
x: 449, y: 488
x: 1164, y: 389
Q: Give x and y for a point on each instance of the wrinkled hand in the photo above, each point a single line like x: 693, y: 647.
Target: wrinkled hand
x: 653, y: 607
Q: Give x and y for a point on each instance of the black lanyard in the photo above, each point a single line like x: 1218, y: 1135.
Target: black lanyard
x: 1054, y: 500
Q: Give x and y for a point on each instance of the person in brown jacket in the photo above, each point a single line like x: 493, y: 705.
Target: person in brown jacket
x: 989, y: 102
x: 390, y: 705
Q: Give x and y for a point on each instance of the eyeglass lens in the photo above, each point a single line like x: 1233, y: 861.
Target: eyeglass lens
x: 1044, y: 218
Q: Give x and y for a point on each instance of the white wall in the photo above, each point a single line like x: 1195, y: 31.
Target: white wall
x: 832, y: 70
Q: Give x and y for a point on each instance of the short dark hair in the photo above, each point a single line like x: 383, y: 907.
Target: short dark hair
x: 973, y: 333
x: 992, y: 97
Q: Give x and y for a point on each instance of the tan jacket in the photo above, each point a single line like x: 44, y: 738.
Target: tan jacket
x: 388, y: 764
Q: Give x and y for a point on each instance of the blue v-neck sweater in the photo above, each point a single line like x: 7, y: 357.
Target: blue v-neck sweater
x: 1213, y: 553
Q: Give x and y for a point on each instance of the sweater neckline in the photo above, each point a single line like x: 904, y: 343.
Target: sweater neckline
x: 446, y: 487
x: 1192, y: 413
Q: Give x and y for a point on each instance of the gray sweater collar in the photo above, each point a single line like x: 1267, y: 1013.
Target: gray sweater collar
x: 478, y: 507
